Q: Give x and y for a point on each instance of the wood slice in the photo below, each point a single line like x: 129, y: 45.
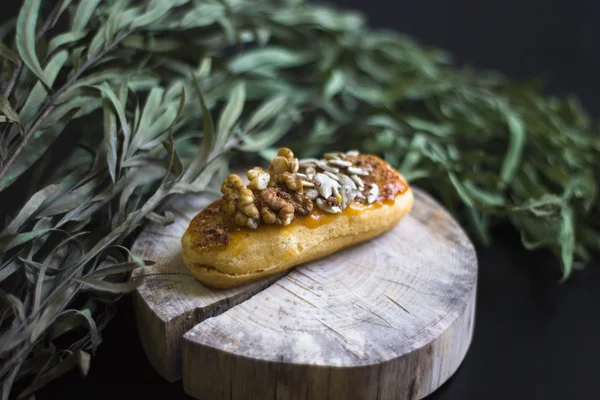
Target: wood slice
x: 388, y: 319
x: 171, y: 301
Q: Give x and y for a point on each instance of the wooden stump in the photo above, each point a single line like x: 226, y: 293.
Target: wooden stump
x: 388, y: 319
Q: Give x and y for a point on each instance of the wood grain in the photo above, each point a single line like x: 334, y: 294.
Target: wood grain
x: 388, y: 319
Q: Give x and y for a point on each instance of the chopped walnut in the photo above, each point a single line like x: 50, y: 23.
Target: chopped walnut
x: 284, y: 162
x: 259, y: 179
x: 239, y: 202
x: 291, y: 181
x: 277, y: 207
x: 302, y: 204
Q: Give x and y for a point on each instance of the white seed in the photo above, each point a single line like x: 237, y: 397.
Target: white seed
x: 312, y: 194
x: 348, y: 195
x: 307, y: 162
x: 301, y: 175
x: 322, y: 204
x: 372, y: 193
x: 332, y: 175
x: 358, y: 181
x: 323, y: 165
x: 357, y: 171
x: 340, y: 163
x: 345, y: 180
x: 331, y: 156
x: 336, y: 193
x: 352, y: 153
x: 326, y: 184
x: 310, y: 172
x: 361, y: 196
x: 307, y: 184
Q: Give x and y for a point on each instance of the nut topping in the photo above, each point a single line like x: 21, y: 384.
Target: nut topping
x: 340, y: 163
x: 357, y: 171
x: 291, y: 187
x: 373, y: 193
x: 276, y: 208
x: 323, y: 205
x: 239, y: 202
x: 259, y: 179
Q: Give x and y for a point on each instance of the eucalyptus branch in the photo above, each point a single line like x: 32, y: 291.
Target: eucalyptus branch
x: 17, y: 70
x: 13, y: 79
x: 48, y: 106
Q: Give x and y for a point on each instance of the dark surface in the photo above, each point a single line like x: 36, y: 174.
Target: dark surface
x: 534, y: 338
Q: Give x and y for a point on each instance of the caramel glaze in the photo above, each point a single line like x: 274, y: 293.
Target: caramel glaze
x: 211, y: 229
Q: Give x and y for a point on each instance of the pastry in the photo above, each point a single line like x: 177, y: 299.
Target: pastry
x: 294, y: 212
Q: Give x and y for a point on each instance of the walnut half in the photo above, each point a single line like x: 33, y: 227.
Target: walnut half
x: 239, y: 202
x: 277, y: 209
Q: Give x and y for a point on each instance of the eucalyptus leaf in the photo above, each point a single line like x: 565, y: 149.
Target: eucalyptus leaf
x: 8, y: 111
x: 515, y: 150
x: 266, y: 111
x: 111, y: 139
x: 230, y: 115
x: 109, y: 287
x: 39, y: 93
x: 208, y: 139
x: 268, y: 58
x: 119, y: 109
x: 84, y: 12
x: 8, y: 54
x: 25, y: 38
x: 65, y: 38
x: 29, y: 209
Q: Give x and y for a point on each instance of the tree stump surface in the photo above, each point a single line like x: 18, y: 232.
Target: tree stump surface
x: 391, y: 318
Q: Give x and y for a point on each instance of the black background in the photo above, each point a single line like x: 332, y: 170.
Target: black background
x: 534, y: 338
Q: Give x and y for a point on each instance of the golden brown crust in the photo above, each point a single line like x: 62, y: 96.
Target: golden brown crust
x: 389, y: 181
x: 221, y: 254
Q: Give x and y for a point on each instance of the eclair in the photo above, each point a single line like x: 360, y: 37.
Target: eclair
x: 294, y: 212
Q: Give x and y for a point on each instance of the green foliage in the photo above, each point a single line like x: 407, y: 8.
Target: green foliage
x: 157, y: 96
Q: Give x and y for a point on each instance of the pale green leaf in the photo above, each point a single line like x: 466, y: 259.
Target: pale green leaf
x: 156, y: 10
x: 25, y: 38
x: 8, y: 111
x: 201, y: 15
x: 567, y: 241
x: 64, y: 4
x: 230, y: 115
x: 65, y: 38
x: 516, y: 148
x: 111, y: 139
x: 109, y: 287
x: 334, y: 85
x: 115, y: 269
x: 39, y: 93
x: 208, y: 139
x: 84, y: 13
x: 268, y: 136
x: 30, y: 209
x: 268, y: 58
x: 118, y: 108
x: 152, y: 105
x: 266, y: 111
